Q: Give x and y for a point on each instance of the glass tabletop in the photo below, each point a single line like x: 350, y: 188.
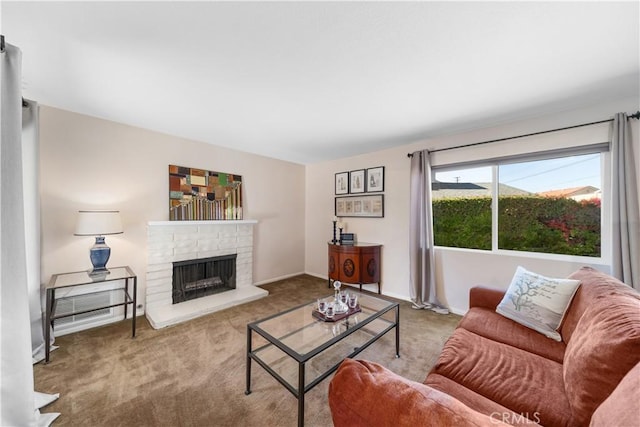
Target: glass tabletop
x: 85, y: 277
x: 303, y: 334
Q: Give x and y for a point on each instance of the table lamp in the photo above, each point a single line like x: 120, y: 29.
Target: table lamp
x: 99, y: 224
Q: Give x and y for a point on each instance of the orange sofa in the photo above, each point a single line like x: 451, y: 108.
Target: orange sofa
x: 494, y: 371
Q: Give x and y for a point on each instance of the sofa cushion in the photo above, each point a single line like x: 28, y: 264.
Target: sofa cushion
x: 480, y: 403
x: 622, y: 407
x: 490, y: 324
x: 365, y: 394
x: 521, y: 381
x: 605, y: 345
x: 594, y: 285
x: 538, y: 302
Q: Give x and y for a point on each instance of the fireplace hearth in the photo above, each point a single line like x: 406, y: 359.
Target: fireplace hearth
x: 202, y: 277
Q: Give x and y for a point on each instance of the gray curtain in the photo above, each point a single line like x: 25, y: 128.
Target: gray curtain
x: 421, y: 255
x: 31, y: 199
x: 19, y: 403
x: 626, y: 215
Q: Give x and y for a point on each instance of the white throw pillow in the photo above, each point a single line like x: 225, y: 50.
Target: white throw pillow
x: 538, y: 302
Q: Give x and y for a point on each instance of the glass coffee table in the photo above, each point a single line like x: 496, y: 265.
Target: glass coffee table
x: 300, y: 351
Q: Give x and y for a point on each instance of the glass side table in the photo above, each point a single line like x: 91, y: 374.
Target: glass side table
x: 124, y: 296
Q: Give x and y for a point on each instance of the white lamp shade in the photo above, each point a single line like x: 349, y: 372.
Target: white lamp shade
x: 98, y: 223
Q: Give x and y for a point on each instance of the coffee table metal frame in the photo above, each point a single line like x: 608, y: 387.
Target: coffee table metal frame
x: 301, y: 359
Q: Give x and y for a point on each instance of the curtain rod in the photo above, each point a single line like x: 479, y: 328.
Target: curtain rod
x: 25, y: 104
x: 636, y: 115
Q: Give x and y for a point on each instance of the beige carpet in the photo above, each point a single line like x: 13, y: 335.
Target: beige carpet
x: 193, y: 374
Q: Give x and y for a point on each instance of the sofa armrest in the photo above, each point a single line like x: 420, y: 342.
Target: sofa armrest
x: 366, y: 394
x: 485, y: 297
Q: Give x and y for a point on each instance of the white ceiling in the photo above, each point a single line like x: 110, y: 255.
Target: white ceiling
x: 314, y: 81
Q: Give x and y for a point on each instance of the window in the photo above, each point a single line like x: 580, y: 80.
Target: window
x: 551, y: 205
x: 462, y: 208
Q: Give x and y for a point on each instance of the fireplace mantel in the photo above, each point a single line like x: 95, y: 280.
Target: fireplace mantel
x: 218, y: 222
x: 173, y: 241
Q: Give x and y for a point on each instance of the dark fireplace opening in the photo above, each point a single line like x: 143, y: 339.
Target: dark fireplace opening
x: 201, y: 277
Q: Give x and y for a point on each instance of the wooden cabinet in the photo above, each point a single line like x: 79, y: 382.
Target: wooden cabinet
x: 356, y: 264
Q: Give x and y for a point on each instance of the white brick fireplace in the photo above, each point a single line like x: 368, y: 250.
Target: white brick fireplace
x: 173, y: 241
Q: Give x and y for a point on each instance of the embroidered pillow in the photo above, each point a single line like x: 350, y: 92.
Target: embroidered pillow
x: 538, y: 302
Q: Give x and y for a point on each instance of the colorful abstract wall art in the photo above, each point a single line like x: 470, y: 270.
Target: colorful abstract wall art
x: 197, y: 194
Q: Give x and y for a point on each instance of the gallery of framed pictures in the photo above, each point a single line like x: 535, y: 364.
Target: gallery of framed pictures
x: 360, y: 181
x: 371, y: 206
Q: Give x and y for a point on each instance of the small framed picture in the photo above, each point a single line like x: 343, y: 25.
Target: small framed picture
x: 371, y: 206
x: 356, y: 181
x: 342, y: 183
x: 375, y: 179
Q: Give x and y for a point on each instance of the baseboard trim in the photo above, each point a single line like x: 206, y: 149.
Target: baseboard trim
x: 275, y: 279
x: 373, y: 288
x: 319, y: 276
x: 367, y: 287
x: 458, y: 311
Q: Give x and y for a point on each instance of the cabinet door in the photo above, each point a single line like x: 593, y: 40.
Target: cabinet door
x: 349, y: 265
x: 370, y: 269
x: 334, y: 263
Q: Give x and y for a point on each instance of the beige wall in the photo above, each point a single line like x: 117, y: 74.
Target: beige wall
x: 456, y: 270
x: 89, y: 163
x: 92, y: 163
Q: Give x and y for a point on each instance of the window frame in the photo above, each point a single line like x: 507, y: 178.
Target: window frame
x: 605, y: 207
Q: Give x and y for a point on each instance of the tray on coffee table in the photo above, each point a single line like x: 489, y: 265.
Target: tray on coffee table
x: 336, y: 316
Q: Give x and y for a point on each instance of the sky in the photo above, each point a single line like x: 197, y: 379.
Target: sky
x: 536, y: 176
